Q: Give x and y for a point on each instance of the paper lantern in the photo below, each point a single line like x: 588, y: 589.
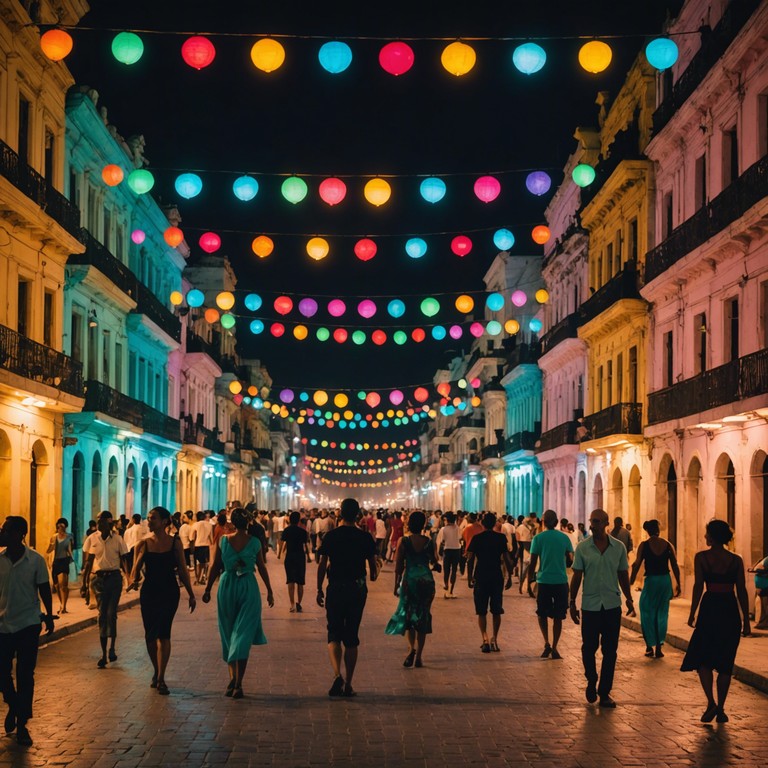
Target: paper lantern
x: 308, y: 307
x: 661, y: 53
x: 294, y: 189
x: 420, y: 394
x: 477, y: 330
x: 195, y: 298
x: 173, y: 236
x: 465, y: 304
x: 418, y: 335
x: 377, y: 191
x: 257, y: 327
x: 595, y: 56
x: 336, y: 307
x: 455, y: 332
x: 538, y: 182
x: 432, y: 189
x: 400, y: 337
x: 378, y: 337
x: 415, y: 247
x: 286, y: 395
x: 396, y: 397
x: 519, y: 298
x: 112, y: 175
x: 334, y: 56
x: 493, y: 328
x: 277, y: 329
x: 396, y: 58
x: 225, y: 300
x: 127, y: 47
x: 444, y: 388
x: 475, y: 383
x: 365, y: 249
x: 340, y: 400
x: 300, y: 332
x: 188, y: 185
x: 476, y: 402
x: 540, y: 234
x: 322, y: 334
x: 228, y: 321
x: 461, y: 245
x: 141, y: 181
x: 235, y: 387
x: 283, y: 305
x: 211, y: 315
x: 529, y: 58
x: 320, y: 397
x: 252, y: 301
x: 267, y: 54
x: 318, y: 248
x: 487, y: 189
x: 262, y: 246
x: 210, y: 242
x: 245, y: 188
x: 503, y: 239
x: 396, y: 308
x: 366, y: 308
x: 198, y: 52
x: 176, y: 297
x: 458, y: 58
x: 583, y: 174
x: 535, y: 325
x: 340, y: 335
x: 495, y: 302
x: 373, y: 399
x: 438, y: 332
x: 56, y: 44
x: 542, y: 296
x: 332, y: 191
x: 138, y: 236
x: 358, y: 337
x: 430, y: 306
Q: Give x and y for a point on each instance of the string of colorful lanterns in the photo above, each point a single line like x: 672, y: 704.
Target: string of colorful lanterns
x: 358, y: 470
x: 314, y: 442
x: 345, y: 484
x: 352, y: 463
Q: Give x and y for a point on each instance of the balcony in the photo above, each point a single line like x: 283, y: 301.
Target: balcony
x: 737, y: 380
x: 737, y: 198
x: 27, y: 358
x: 713, y: 46
x: 520, y: 353
x: 567, y: 328
x: 28, y: 181
x: 197, y: 434
x: 493, y: 451
x: 197, y: 345
x: 470, y: 422
x: 148, y: 304
x: 562, y: 434
x: 98, y: 256
x: 264, y: 454
x: 622, y: 285
x: 618, y: 419
x: 521, y: 441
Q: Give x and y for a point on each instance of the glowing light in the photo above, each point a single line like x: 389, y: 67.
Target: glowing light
x: 529, y: 58
x: 465, y: 304
x: 396, y: 397
x: 283, y: 305
x: 418, y: 335
x: 595, y: 56
x: 195, y: 298
x: 540, y: 234
x: 519, y: 298
x: 458, y: 58
x: 188, y: 185
x: 511, y: 327
x: 366, y: 308
x: 173, y: 236
x: 300, y: 332
x: 396, y: 58
x: 211, y: 315
x: 257, y: 327
x: 432, y: 189
x: 127, y: 47
x: 396, y: 308
x: 493, y: 328
x: 377, y: 191
x: 535, y: 325
x: 245, y: 188
x: 583, y: 175
x: 661, y: 53
x: 420, y: 394
x: 176, y: 297
x: 228, y: 321
x: 487, y: 189
x: 294, y: 189
x: 322, y: 334
x: 455, y: 332
x: 318, y: 248
x: 112, y: 175
x: 538, y: 182
x: 503, y: 239
x: 358, y: 337
x: 286, y: 395
x: 542, y: 296
x: 210, y: 242
x: 277, y: 330
x: 235, y: 387
x: 378, y: 337
x: 438, y: 332
x: 138, y: 236
x: 461, y: 245
x: 373, y: 399
x: 141, y: 181
x: 495, y: 302
x: 334, y: 56
x: 225, y: 300
x: 336, y: 307
x: 267, y: 54
x: 252, y: 301
x: 340, y: 400
x: 262, y: 246
x: 477, y: 330
x: 400, y: 337
x: 340, y: 335
x: 56, y: 44
x: 365, y: 249
x: 320, y: 397
x: 308, y: 307
x: 430, y: 307
x: 415, y: 247
x: 332, y: 191
x: 198, y: 52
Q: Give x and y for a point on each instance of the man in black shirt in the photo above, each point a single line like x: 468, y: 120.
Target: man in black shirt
x: 485, y: 554
x: 348, y: 549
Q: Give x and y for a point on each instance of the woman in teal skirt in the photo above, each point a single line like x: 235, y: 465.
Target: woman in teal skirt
x: 659, y: 556
x: 238, y: 599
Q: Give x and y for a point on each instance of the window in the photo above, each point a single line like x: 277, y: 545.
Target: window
x: 617, y: 254
x: 599, y: 275
x: 700, y: 343
x: 609, y: 381
x: 609, y: 259
x: 23, y: 307
x: 666, y: 215
x: 24, y: 125
x: 48, y: 304
x: 93, y: 351
x: 762, y: 125
x: 142, y: 379
x: 730, y: 156
x: 700, y: 182
x: 49, y: 155
x: 74, y: 189
x: 118, y: 366
x: 632, y: 241
x: 633, y: 374
x: 119, y: 251
x: 764, y: 312
x: 106, y: 357
x: 620, y: 377
x: 731, y: 330
x: 599, y: 393
x: 668, y: 362
x: 107, y: 239
x: 76, y: 335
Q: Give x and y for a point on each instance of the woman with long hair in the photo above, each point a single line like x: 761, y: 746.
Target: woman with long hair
x: 60, y: 548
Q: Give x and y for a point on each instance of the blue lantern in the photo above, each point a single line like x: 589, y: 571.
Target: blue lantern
x: 529, y: 58
x: 334, y: 56
x: 535, y: 325
x: 494, y: 302
x: 538, y: 182
x: 252, y: 301
x: 195, y: 298
x: 432, y: 189
x: 188, y: 185
x: 503, y: 239
x: 245, y: 188
x: 416, y: 247
x: 661, y: 53
x: 493, y: 328
x: 396, y: 308
x: 438, y: 332
x: 257, y: 327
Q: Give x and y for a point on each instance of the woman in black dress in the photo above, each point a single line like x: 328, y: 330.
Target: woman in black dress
x: 162, y: 556
x: 296, y: 541
x: 715, y: 638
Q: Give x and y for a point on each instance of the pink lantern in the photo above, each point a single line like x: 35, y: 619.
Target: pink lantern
x: 277, y: 329
x: 396, y: 58
x: 308, y: 307
x: 366, y: 308
x: 461, y: 245
x: 475, y: 383
x: 283, y: 305
x: 396, y: 397
x: 477, y: 330
x: 286, y: 395
x: 210, y: 242
x: 138, y: 236
x: 519, y: 298
x: 420, y: 394
x: 378, y: 337
x: 332, y: 191
x: 365, y: 249
x: 336, y: 307
x: 373, y: 399
x: 455, y: 332
x: 487, y: 188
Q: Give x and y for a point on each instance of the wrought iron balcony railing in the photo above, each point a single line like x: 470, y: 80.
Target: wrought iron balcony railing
x: 567, y: 328
x: 34, y: 361
x: 196, y: 344
x: 148, y: 304
x: 562, y: 434
x: 99, y: 256
x: 492, y: 451
x: 617, y: 419
x: 521, y: 353
x: 622, y: 285
x: 521, y: 441
x: 197, y: 434
x: 737, y: 380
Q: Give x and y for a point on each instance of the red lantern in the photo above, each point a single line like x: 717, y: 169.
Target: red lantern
x: 378, y: 337
x: 173, y: 236
x: 198, y: 52
x: 210, y: 242
x: 283, y: 305
x: 373, y: 399
x: 420, y: 394
x: 332, y: 191
x: 418, y: 335
x: 365, y: 249
x: 461, y: 245
x: 487, y: 188
x: 340, y: 335
x: 540, y: 234
x: 277, y: 329
x: 444, y: 388
x: 396, y: 58
x: 112, y: 175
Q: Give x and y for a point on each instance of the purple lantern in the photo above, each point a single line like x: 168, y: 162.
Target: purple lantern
x: 286, y: 395
x: 538, y: 182
x: 308, y: 307
x: 396, y: 397
x: 455, y: 332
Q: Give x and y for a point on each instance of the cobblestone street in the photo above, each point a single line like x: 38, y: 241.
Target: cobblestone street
x: 463, y: 707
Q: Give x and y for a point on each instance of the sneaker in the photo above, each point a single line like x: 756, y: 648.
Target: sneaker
x: 591, y: 693
x: 337, y: 689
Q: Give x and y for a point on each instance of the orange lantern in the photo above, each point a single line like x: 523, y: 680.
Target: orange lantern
x: 540, y: 234
x: 56, y: 44
x: 173, y: 236
x: 112, y: 175
x: 211, y: 315
x: 262, y: 246
x: 465, y: 304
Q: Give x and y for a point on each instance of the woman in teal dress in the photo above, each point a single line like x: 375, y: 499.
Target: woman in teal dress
x: 238, y: 598
x: 416, y: 588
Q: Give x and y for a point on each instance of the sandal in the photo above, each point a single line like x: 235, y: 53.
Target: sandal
x: 546, y: 652
x: 409, y: 659
x: 162, y: 688
x: 230, y: 688
x: 337, y: 689
x: 153, y: 684
x: 237, y: 693
x: 649, y: 652
x: 485, y: 647
x: 494, y: 646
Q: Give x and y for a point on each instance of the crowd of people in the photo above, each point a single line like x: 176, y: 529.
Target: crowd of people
x: 552, y: 559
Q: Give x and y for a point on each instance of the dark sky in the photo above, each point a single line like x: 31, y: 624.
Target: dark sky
x: 231, y: 118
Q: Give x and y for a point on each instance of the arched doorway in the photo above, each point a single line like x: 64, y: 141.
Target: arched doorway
x: 96, y: 485
x: 759, y: 505
x: 692, y: 515
x: 582, y: 498
x: 130, y: 489
x: 165, y: 495
x: 5, y: 474
x: 617, y: 495
x: 156, y: 500
x: 181, y: 499
x: 144, y: 489
x: 78, y: 497
x: 597, y: 492
x: 112, y: 485
x: 37, y: 468
x: 633, y: 490
x: 671, y: 483
x: 666, y: 498
x: 725, y: 495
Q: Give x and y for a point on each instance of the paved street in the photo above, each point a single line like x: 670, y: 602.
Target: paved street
x: 462, y: 708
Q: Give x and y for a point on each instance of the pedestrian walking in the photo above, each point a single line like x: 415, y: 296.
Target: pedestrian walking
x: 760, y: 569
x: 555, y: 551
x: 659, y: 556
x: 295, y: 539
x: 415, y: 586
x: 343, y: 554
x: 106, y: 557
x: 202, y: 539
x: 622, y: 534
x: 449, y: 545
x: 396, y: 534
x: 162, y: 556
x: 134, y: 533
x: 718, y: 626
x: 601, y: 564
x: 238, y: 599
x: 61, y: 548
x: 23, y: 585
x: 485, y: 554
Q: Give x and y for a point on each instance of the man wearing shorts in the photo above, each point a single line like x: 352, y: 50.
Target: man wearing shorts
x: 449, y: 543
x: 344, y: 553
x: 202, y: 536
x: 486, y: 552
x: 552, y: 550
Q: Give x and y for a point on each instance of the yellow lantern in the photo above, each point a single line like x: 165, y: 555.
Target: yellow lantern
x: 341, y: 400
x: 275, y: 408
x: 225, y: 300
x: 458, y: 58
x: 320, y: 397
x: 465, y: 304
x: 542, y: 296
x: 176, y: 298
x: 377, y: 191
x: 284, y: 412
x: 235, y: 387
x: 318, y: 248
x: 267, y: 55
x: 512, y: 327
x: 349, y: 415
x: 476, y: 401
x: 300, y: 332
x: 262, y: 246
x: 595, y: 56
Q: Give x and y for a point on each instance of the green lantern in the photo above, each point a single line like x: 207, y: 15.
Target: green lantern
x: 227, y: 320
x: 430, y: 307
x: 583, y: 174
x: 294, y: 189
x: 400, y: 337
x: 141, y: 181
x: 127, y: 47
x: 358, y: 337
x: 323, y: 334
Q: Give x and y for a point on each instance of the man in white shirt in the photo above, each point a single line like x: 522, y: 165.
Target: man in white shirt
x: 185, y: 532
x: 449, y: 541
x: 106, y: 557
x: 23, y: 583
x: 524, y: 536
x: 279, y: 524
x: 134, y: 533
x: 202, y: 536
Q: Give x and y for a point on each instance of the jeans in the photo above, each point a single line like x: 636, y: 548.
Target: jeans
x: 22, y: 645
x: 107, y: 588
x: 600, y: 628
